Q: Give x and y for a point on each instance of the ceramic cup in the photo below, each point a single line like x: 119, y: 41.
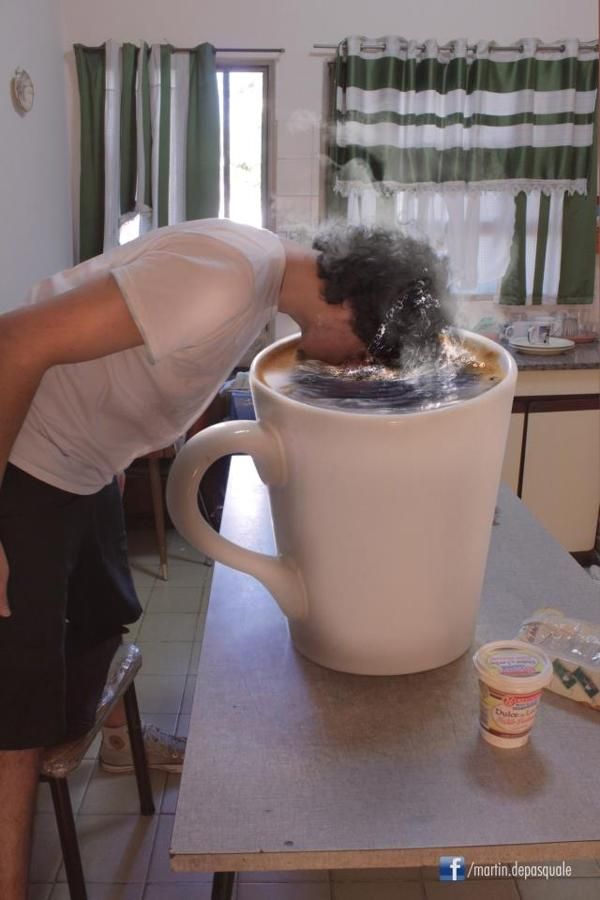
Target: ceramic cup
x: 517, y: 329
x: 539, y: 333
x: 382, y: 522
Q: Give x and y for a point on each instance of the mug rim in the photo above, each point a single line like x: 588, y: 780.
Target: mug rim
x: 510, y: 377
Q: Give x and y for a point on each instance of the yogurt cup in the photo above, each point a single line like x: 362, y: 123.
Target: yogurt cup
x: 512, y: 675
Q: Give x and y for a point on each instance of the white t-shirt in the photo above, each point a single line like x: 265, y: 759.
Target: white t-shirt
x: 200, y: 293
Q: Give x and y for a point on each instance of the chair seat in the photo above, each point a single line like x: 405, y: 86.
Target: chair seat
x: 60, y: 760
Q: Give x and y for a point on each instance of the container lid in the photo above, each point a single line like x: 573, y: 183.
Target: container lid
x: 513, y: 666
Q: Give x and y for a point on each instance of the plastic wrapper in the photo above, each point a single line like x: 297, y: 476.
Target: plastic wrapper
x: 60, y: 760
x: 574, y: 648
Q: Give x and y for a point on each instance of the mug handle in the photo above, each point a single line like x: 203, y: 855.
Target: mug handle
x: 279, y: 575
x: 531, y: 331
x: 509, y: 331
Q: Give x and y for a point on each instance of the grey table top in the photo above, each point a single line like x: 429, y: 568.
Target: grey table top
x: 290, y: 765
x: 582, y: 356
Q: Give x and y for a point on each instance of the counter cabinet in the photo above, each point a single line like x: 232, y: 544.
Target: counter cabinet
x: 552, y: 459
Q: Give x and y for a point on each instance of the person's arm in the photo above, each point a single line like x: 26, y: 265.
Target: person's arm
x: 86, y: 323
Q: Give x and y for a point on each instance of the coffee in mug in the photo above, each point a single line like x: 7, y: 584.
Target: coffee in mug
x: 460, y: 372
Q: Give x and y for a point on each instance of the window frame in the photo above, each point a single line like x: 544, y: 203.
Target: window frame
x: 226, y: 66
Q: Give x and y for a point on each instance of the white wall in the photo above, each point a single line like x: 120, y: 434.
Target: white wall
x: 35, y: 221
x: 296, y: 26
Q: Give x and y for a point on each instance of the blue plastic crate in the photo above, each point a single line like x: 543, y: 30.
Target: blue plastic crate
x: 240, y: 405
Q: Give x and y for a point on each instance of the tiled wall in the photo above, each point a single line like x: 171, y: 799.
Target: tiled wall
x: 298, y: 195
x: 298, y: 175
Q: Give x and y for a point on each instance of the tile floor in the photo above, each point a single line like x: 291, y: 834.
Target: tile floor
x: 125, y: 856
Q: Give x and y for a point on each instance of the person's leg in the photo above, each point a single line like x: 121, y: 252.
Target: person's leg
x: 19, y: 773
x: 102, y: 599
x: 37, y: 528
x: 87, y: 666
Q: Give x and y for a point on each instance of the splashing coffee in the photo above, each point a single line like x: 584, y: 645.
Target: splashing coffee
x: 459, y: 372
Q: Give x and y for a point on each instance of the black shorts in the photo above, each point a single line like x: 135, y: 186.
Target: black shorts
x: 70, y: 592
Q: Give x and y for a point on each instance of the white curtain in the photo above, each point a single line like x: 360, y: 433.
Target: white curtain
x: 112, y: 151
x: 472, y: 229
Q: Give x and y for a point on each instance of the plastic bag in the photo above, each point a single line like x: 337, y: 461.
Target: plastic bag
x: 574, y: 648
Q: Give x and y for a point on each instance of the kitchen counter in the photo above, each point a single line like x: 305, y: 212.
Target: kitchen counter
x: 582, y: 356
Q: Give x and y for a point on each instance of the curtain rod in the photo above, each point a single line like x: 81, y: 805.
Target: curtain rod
x: 547, y: 48
x: 236, y: 49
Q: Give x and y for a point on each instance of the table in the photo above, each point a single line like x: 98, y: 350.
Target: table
x: 292, y: 766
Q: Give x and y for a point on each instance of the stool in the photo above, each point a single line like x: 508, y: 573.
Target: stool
x: 59, y: 761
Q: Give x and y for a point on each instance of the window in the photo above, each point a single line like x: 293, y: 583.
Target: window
x: 129, y: 230
x: 243, y: 93
x: 243, y: 108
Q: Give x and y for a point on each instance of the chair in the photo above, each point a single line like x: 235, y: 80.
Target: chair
x: 158, y: 507
x: 59, y: 761
x: 215, y: 412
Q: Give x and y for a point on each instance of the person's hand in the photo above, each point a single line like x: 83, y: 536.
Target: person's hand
x: 4, y: 607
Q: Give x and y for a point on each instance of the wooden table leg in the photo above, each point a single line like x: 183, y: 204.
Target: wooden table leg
x: 159, y: 514
x: 222, y: 885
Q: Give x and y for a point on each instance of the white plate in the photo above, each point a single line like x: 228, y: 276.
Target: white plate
x: 555, y: 345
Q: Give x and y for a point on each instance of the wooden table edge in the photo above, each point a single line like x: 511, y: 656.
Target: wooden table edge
x: 388, y: 859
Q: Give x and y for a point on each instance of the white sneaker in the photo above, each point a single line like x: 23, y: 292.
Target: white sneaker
x: 164, y: 752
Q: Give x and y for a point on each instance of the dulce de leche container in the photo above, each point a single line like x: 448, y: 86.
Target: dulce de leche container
x: 512, y: 675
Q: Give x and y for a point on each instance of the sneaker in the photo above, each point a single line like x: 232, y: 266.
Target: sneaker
x: 164, y: 752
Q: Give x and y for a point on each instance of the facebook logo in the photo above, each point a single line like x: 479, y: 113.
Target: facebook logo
x: 452, y: 868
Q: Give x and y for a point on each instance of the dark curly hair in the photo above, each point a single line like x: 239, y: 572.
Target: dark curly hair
x: 395, y: 284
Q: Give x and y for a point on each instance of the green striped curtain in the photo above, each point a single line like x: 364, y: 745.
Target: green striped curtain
x: 145, y: 166
x: 91, y: 75
x: 203, y: 136
x: 412, y: 117
x: 128, y: 130
x: 575, y: 266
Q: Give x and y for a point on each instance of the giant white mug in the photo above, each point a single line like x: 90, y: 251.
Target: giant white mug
x: 382, y: 521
